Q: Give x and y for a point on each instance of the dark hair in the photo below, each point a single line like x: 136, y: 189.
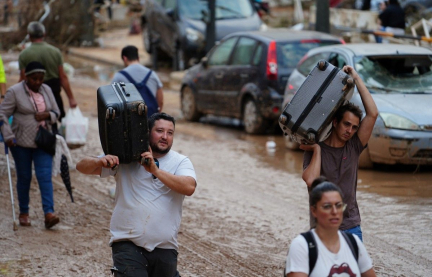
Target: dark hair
x: 348, y: 107
x: 157, y: 116
x: 36, y: 29
x: 130, y: 52
x: 319, y: 186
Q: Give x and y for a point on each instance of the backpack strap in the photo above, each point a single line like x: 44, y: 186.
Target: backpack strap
x: 352, y: 243
x: 127, y: 75
x: 313, y: 249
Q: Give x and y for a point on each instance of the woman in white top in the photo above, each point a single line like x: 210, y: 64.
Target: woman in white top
x: 335, y: 257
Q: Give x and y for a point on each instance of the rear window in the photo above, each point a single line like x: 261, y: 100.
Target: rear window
x: 290, y: 53
x: 396, y: 74
x: 225, y: 9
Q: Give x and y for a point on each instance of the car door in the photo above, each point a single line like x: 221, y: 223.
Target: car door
x: 239, y: 72
x: 166, y: 26
x: 212, y: 77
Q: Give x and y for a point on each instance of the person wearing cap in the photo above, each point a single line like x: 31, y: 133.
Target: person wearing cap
x: 52, y: 60
x: 32, y: 104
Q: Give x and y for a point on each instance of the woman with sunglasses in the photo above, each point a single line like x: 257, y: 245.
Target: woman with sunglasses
x: 334, y: 254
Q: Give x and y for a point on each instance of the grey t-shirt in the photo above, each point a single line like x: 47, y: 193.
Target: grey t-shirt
x: 138, y: 73
x: 340, y: 166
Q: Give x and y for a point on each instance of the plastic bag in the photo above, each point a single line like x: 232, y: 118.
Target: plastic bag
x: 75, y: 127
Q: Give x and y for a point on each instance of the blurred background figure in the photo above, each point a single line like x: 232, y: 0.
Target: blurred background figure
x: 392, y: 19
x: 51, y: 58
x: 2, y: 81
x: 23, y: 100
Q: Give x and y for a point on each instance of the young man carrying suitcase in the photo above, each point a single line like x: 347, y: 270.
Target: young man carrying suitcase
x: 337, y: 157
x: 145, y: 80
x: 149, y: 198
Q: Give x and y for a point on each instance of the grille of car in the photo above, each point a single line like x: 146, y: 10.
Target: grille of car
x: 424, y: 153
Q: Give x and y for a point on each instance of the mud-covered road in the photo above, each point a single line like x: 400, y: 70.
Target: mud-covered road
x: 250, y: 203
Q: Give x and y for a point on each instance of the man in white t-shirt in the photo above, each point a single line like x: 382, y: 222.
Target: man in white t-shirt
x: 148, y: 203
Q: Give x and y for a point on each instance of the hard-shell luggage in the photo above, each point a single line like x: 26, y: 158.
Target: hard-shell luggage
x: 307, y: 118
x: 122, y: 118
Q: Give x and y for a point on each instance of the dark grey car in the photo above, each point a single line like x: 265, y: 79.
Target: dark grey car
x: 245, y: 75
x: 177, y: 27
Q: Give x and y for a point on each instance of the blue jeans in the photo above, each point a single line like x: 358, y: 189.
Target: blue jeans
x: 133, y: 261
x: 24, y: 157
x: 355, y: 231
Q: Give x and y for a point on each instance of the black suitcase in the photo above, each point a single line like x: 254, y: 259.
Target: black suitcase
x: 307, y: 118
x: 122, y: 118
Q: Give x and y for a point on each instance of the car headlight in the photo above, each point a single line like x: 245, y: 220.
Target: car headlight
x: 193, y: 35
x: 398, y: 122
x: 263, y: 27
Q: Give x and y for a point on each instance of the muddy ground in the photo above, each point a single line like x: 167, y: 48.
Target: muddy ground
x: 247, y: 208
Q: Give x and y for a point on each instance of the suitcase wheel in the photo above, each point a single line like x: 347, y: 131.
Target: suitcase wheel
x: 311, y: 136
x: 322, y: 65
x: 110, y: 113
x: 283, y: 119
x: 142, y: 109
x: 349, y: 84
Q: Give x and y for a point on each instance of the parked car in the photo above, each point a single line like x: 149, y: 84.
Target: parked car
x: 245, y: 75
x: 177, y: 27
x: 399, y: 78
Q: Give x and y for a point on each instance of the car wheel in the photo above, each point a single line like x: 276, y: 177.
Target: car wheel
x: 147, y: 39
x: 365, y: 161
x: 253, y: 122
x: 179, y: 62
x: 188, y: 105
x: 290, y: 143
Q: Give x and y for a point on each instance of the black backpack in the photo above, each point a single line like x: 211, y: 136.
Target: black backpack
x: 146, y: 94
x: 313, y: 250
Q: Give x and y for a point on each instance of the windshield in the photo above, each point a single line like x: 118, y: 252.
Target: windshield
x: 396, y: 74
x: 290, y: 53
x: 225, y: 9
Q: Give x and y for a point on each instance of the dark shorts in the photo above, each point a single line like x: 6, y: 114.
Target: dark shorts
x: 134, y: 261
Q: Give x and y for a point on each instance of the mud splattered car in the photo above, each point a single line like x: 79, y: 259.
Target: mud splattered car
x: 245, y: 75
x: 399, y: 78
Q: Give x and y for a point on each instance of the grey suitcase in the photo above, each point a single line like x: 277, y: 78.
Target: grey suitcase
x: 307, y: 118
x: 122, y: 119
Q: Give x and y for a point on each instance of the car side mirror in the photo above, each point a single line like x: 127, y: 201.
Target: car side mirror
x: 204, y: 62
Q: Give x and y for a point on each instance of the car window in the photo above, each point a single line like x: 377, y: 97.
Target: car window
x: 337, y: 60
x: 243, y: 51
x: 290, y: 53
x: 221, y: 54
x: 258, y: 55
x: 170, y: 4
x: 310, y: 62
x: 396, y: 74
x: 224, y: 9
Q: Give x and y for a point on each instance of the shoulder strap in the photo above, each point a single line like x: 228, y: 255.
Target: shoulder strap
x: 352, y: 243
x: 147, y: 77
x: 127, y: 76
x: 313, y: 249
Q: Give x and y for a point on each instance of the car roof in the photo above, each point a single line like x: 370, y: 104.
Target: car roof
x: 376, y: 49
x: 284, y: 34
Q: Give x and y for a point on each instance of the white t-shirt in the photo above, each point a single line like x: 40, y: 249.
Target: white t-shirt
x: 147, y: 212
x: 329, y: 264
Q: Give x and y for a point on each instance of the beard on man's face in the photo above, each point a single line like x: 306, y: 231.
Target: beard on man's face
x: 156, y: 149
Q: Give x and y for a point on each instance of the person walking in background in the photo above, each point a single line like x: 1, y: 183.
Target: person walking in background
x: 148, y: 203
x: 23, y: 100
x: 51, y: 58
x: 392, y: 19
x: 337, y: 157
x: 335, y: 253
x: 145, y: 80
x: 2, y: 81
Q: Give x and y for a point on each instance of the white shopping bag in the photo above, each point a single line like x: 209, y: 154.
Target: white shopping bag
x: 75, y: 126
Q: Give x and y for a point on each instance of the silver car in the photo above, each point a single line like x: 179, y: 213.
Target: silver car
x: 399, y: 78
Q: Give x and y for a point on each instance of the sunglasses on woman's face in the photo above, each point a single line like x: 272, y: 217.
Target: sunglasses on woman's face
x: 340, y: 206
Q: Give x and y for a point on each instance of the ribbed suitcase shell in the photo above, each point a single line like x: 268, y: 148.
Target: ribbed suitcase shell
x: 122, y: 118
x: 307, y: 118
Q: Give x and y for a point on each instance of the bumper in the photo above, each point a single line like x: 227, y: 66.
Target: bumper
x: 391, y: 146
x: 270, y: 107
